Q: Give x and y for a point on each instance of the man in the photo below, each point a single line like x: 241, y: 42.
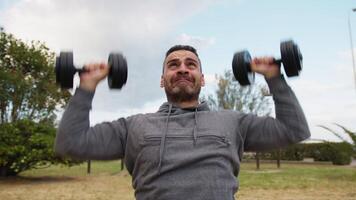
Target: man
x: 183, y: 151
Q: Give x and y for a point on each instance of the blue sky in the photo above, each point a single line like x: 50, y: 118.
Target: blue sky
x: 218, y: 28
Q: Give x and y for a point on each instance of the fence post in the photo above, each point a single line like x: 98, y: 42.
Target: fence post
x: 122, y: 164
x: 279, y: 158
x: 257, y: 160
x: 89, y: 167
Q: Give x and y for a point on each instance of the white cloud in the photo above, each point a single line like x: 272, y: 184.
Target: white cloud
x: 95, y: 27
x: 140, y: 29
x: 196, y: 41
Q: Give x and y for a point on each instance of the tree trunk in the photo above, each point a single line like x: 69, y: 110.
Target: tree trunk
x: 5, y: 171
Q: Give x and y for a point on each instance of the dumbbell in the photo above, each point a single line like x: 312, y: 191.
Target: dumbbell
x: 291, y: 58
x: 65, y: 70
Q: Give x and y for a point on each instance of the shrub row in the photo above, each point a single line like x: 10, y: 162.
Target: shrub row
x: 339, y: 153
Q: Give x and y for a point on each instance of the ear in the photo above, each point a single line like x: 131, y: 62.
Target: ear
x: 162, y: 82
x: 202, y: 81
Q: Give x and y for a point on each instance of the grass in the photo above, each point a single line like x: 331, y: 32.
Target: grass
x: 291, y: 181
x: 97, y: 168
x: 295, y: 176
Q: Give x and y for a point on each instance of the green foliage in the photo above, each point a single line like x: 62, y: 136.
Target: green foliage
x: 25, y: 144
x: 27, y: 81
x: 29, y: 98
x: 348, y: 132
x: 230, y: 95
x: 339, y: 153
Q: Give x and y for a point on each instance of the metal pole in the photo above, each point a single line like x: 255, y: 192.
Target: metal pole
x: 279, y: 152
x: 352, y: 46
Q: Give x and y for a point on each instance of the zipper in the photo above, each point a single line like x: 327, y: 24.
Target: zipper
x: 221, y: 138
x: 182, y: 137
x: 157, y: 137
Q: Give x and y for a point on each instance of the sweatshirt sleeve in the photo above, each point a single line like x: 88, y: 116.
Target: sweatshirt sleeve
x: 290, y: 125
x: 75, y: 138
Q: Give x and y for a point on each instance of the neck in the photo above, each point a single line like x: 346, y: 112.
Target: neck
x: 186, y: 104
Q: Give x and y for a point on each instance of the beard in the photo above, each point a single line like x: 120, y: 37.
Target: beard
x: 182, y: 92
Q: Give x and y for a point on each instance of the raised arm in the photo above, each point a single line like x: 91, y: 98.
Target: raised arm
x: 75, y: 137
x: 290, y: 125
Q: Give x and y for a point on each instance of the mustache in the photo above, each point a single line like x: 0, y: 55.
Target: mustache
x: 183, y: 77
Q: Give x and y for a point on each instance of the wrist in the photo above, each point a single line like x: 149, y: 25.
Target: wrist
x: 271, y: 76
x: 272, y: 73
x: 90, y: 87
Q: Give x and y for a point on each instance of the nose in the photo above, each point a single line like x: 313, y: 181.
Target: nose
x: 183, y: 69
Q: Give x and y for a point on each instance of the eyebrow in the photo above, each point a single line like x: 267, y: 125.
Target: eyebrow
x: 191, y: 59
x: 176, y: 59
x: 173, y: 60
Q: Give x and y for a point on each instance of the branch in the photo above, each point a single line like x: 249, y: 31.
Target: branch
x: 333, y: 132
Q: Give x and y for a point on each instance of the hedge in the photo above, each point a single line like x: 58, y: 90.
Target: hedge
x: 339, y: 153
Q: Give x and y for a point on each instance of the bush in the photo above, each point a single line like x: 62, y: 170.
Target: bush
x: 337, y: 153
x: 25, y: 145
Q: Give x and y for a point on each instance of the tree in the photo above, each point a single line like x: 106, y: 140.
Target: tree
x: 29, y: 98
x: 230, y: 95
x: 27, y: 81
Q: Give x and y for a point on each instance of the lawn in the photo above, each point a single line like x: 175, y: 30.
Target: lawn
x: 291, y: 181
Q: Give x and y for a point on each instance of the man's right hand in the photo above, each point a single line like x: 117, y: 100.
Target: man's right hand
x: 93, y: 74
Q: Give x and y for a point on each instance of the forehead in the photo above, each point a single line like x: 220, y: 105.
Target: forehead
x: 181, y: 54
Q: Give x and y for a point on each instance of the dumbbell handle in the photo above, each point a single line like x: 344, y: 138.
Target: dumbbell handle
x: 277, y: 62
x: 81, y: 70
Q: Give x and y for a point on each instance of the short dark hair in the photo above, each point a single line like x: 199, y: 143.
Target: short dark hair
x: 181, y: 47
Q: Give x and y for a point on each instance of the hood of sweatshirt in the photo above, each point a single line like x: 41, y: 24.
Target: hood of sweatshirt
x: 171, y: 109
x: 175, y: 110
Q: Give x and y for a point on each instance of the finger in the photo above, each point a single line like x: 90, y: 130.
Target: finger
x: 270, y: 60
x: 254, y: 64
x: 103, y: 65
x: 256, y: 61
x: 89, y: 67
x: 265, y: 60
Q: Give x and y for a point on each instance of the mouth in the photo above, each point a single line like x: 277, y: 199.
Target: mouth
x: 183, y: 81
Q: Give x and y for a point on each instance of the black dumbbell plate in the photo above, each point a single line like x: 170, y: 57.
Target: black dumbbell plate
x: 58, y: 71
x: 65, y: 69
x: 242, y: 69
x: 118, y: 70
x: 291, y: 57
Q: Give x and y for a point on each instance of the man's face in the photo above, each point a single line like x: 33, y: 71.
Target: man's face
x: 182, y: 77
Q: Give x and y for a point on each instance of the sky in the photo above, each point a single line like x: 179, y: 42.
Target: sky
x: 144, y: 30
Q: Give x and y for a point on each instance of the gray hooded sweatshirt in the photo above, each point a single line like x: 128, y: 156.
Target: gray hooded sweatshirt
x: 176, y: 153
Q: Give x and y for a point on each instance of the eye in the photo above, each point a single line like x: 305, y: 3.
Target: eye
x: 192, y: 64
x: 172, y: 64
